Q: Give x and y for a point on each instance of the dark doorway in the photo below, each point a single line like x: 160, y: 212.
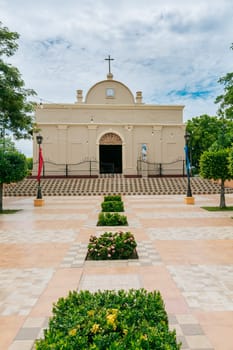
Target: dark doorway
x: 110, y: 159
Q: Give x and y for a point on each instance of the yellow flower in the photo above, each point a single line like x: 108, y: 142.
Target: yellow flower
x: 95, y: 328
x: 73, y: 332
x: 91, y: 313
x: 144, y: 337
x: 111, y: 319
x: 113, y: 311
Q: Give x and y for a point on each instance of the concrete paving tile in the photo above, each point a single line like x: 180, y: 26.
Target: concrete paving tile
x: 110, y: 282
x: 198, y: 342
x: 190, y: 233
x: 216, y: 295
x: 192, y: 329
x: 20, y: 295
x: 22, y: 345
x: 186, y: 319
x: 218, y: 327
x: 175, y: 304
x: 30, y: 333
x: 185, y: 222
x: 196, y: 252
x: 33, y: 322
x: 32, y: 236
x: 32, y: 255
x: 9, y: 327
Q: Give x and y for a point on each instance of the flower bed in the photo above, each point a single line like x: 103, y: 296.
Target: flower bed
x: 112, y: 219
x: 112, y: 206
x: 109, y: 320
x: 112, y: 198
x: 118, y: 245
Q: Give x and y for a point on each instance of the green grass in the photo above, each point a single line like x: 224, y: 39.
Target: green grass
x: 9, y: 211
x: 218, y: 208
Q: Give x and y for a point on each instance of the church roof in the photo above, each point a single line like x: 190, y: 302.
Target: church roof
x: 109, y: 91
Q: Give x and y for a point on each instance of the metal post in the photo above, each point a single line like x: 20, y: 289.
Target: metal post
x: 39, y: 140
x: 39, y: 193
x: 187, y: 137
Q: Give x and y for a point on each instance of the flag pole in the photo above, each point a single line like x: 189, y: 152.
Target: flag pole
x: 189, y: 199
x: 40, y: 166
x: 39, y: 201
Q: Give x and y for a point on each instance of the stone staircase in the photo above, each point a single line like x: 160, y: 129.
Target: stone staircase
x: 114, y: 184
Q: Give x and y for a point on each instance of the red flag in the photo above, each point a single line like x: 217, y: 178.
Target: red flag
x: 40, y: 165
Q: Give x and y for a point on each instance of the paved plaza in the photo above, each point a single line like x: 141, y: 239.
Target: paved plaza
x: 184, y: 251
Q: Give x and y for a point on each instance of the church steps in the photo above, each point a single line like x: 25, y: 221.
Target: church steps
x: 115, y: 184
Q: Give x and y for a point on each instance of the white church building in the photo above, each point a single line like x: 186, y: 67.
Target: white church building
x: 109, y: 130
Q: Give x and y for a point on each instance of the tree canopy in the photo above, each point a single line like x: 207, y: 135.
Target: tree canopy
x: 213, y: 132
x: 6, y: 144
x: 15, y: 112
x: 15, y: 108
x: 204, y: 131
x: 226, y: 99
x: 8, y: 44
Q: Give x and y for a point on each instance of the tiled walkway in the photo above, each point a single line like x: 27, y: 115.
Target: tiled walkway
x: 184, y: 251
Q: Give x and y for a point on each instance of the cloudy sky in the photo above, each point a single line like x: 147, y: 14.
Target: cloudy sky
x: 174, y: 51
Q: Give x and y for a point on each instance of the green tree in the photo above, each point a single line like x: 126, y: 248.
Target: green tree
x: 15, y: 109
x: 204, y: 131
x: 7, y: 144
x: 226, y: 99
x: 13, y: 168
x: 215, y: 165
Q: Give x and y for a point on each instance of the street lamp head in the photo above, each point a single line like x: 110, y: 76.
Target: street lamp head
x: 39, y: 139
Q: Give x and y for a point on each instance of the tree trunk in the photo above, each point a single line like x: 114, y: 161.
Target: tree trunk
x: 222, y: 195
x: 1, y: 196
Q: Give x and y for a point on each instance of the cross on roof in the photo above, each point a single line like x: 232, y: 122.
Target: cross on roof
x: 109, y: 59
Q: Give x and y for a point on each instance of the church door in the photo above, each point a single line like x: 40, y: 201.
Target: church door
x: 110, y: 154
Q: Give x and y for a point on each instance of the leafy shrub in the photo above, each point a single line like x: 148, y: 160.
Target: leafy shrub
x: 112, y: 206
x: 112, y: 198
x: 109, y: 320
x: 118, y: 245
x: 112, y: 219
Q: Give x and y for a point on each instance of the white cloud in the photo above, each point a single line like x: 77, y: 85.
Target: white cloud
x: 172, y: 50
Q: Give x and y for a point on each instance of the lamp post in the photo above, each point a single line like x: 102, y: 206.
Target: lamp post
x: 187, y: 138
x: 39, y: 140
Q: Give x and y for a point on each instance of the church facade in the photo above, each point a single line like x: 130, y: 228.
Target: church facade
x: 110, y: 131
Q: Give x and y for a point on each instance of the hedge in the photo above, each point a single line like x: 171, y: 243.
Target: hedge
x: 109, y: 320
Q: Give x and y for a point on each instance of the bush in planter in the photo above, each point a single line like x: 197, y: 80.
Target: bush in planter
x: 112, y: 219
x: 112, y: 198
x: 118, y: 245
x: 112, y: 206
x: 109, y: 320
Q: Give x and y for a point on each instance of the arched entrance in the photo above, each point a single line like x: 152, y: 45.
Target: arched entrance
x: 110, y: 154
